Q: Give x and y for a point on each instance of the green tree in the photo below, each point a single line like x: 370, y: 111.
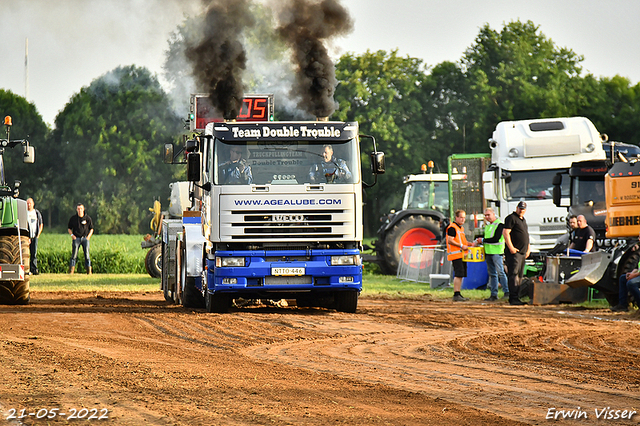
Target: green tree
x: 519, y: 73
x: 380, y: 91
x: 110, y: 137
x: 27, y: 124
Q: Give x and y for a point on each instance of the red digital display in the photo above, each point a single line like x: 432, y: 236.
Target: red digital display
x: 254, y: 108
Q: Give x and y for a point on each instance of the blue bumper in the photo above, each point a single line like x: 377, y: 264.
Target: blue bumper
x: 259, y: 277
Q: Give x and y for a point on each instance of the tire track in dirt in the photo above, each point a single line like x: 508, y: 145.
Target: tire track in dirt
x: 516, y: 374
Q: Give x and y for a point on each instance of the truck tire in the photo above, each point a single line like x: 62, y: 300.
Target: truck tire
x: 153, y: 261
x: 15, y: 292
x: 191, y: 296
x: 414, y: 230
x: 177, y: 291
x: 346, y: 301
x: 217, y: 303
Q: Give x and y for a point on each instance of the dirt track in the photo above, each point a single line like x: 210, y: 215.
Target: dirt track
x: 395, y: 362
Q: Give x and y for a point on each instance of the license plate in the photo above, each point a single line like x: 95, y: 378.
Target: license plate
x: 287, y: 271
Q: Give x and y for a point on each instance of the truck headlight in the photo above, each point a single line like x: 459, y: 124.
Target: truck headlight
x: 351, y: 259
x: 229, y: 261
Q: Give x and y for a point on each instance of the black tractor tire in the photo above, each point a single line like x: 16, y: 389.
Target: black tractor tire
x: 629, y: 263
x: 409, y: 231
x: 15, y: 292
x: 153, y: 261
x: 218, y: 303
x: 526, y: 288
x: 346, y: 301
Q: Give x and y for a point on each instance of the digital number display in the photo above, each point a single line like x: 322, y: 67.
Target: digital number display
x: 254, y: 108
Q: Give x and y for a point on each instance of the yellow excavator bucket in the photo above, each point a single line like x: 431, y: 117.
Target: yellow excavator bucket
x: 155, y: 221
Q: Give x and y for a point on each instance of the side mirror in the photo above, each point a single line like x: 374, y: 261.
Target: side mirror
x: 168, y: 153
x: 29, y: 155
x: 377, y: 163
x: 557, y: 195
x: 193, y: 166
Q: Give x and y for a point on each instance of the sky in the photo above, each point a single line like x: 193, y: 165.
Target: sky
x: 73, y: 42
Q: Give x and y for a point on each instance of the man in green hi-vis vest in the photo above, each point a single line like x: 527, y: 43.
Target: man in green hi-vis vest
x: 493, y: 250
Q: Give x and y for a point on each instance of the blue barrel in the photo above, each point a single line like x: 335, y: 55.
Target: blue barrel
x: 477, y: 276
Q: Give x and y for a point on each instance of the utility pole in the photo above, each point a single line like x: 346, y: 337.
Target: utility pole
x: 26, y: 69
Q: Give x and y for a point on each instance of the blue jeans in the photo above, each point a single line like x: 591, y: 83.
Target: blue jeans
x: 75, y: 245
x: 495, y: 268
x: 628, y: 286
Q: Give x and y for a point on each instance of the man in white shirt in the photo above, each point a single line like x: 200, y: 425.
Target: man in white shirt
x: 35, y: 229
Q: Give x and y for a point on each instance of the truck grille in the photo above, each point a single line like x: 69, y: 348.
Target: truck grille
x: 290, y: 225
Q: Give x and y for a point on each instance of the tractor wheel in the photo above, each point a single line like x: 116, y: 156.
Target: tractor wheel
x: 153, y: 261
x: 415, y: 230
x: 629, y: 263
x: 15, y: 292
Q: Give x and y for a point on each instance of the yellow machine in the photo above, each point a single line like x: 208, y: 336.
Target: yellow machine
x: 622, y: 193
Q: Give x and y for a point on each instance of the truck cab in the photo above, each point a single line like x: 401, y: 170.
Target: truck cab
x: 525, y: 157
x: 280, y: 213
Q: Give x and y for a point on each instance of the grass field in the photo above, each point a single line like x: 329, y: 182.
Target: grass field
x: 122, y: 255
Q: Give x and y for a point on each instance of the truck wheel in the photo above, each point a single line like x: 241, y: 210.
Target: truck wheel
x: 217, y: 303
x: 415, y: 230
x: 153, y: 261
x: 346, y: 301
x: 15, y: 292
x: 192, y: 297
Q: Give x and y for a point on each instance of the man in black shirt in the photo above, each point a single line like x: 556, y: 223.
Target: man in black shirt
x: 80, y: 228
x: 516, y: 239
x: 584, y: 238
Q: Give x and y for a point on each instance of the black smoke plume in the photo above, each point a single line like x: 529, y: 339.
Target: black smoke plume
x: 305, y: 25
x: 219, y: 58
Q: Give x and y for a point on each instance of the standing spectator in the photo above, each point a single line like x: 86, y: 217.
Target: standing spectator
x: 516, y: 238
x: 584, y: 238
x: 35, y: 229
x: 456, y: 246
x: 493, y: 250
x: 573, y: 225
x: 81, y: 229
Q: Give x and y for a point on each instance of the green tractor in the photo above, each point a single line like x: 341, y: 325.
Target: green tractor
x: 14, y: 230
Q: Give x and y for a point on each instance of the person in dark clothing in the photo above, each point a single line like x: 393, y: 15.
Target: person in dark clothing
x: 80, y: 229
x: 584, y: 238
x: 516, y: 238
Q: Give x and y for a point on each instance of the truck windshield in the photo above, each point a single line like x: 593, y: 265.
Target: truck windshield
x: 428, y: 195
x: 282, y: 163
x: 588, y: 191
x: 534, y: 185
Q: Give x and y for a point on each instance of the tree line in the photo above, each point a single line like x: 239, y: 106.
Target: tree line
x: 106, y: 147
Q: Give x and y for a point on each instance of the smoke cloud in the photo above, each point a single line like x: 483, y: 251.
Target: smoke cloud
x: 219, y: 58
x: 306, y: 25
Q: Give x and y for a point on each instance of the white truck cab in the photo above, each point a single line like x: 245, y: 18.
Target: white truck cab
x: 525, y: 156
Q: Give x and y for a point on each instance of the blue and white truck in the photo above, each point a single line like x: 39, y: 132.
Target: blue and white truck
x: 276, y: 213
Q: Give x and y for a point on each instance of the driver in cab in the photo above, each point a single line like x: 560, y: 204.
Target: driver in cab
x: 331, y: 169
x: 236, y: 171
